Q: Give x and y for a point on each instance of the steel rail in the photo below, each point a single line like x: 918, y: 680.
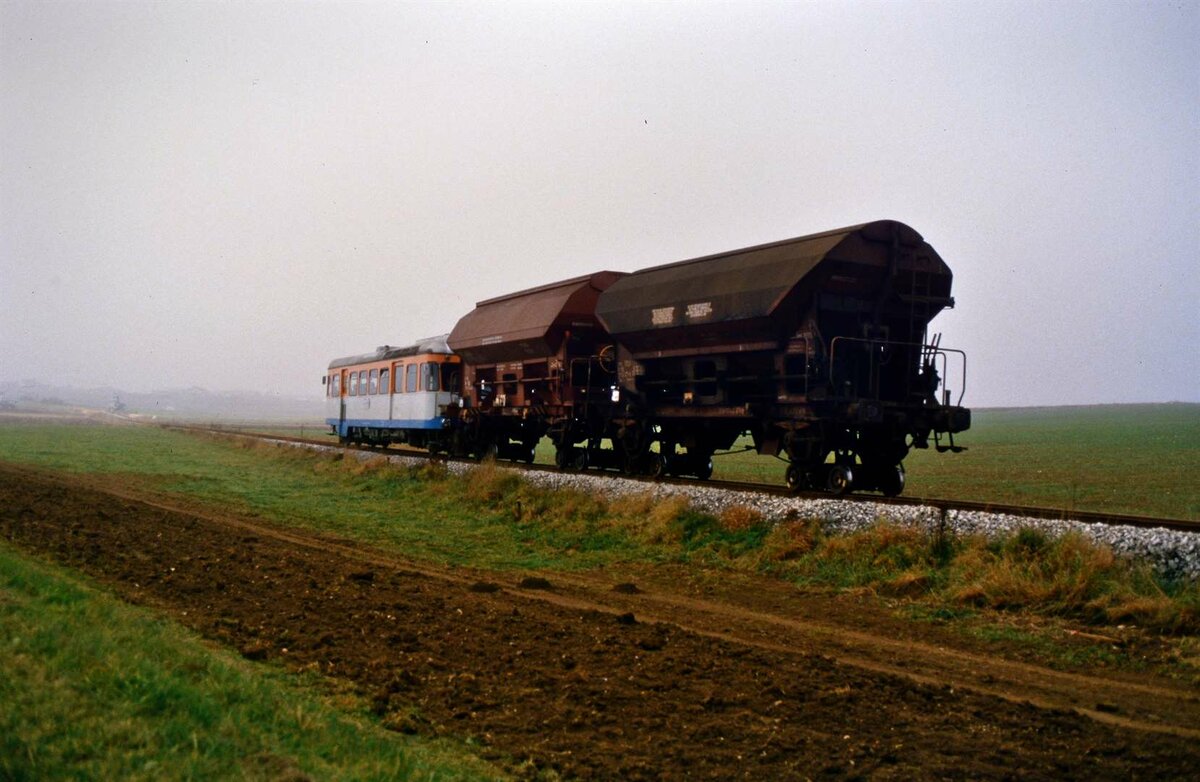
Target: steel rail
x: 945, y: 505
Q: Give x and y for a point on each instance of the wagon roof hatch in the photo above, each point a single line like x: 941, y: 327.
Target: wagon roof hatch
x: 529, y: 322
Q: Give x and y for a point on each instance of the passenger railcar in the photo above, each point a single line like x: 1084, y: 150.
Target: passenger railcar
x: 394, y: 394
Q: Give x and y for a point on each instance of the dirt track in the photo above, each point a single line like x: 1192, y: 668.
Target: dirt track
x: 581, y: 679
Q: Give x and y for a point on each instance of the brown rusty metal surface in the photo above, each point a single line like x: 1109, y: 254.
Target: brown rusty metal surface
x: 530, y: 323
x: 755, y: 294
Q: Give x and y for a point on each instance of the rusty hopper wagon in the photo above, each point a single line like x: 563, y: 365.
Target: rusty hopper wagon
x: 816, y: 346
x: 533, y: 365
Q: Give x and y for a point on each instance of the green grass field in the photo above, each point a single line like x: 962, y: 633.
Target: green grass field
x: 1138, y: 459
x: 1142, y: 459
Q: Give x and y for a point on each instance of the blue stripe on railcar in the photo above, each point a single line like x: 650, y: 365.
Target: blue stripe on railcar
x: 376, y: 423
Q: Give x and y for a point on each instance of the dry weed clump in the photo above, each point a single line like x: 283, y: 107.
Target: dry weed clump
x: 1145, y: 603
x: 488, y: 483
x: 369, y: 467
x: 913, y: 582
x: 884, y: 548
x: 1069, y: 575
x: 566, y: 506
x: 1031, y: 570
x: 248, y: 443
x: 790, y: 540
x: 632, y: 505
x: 649, y: 519
x: 1157, y: 611
x: 739, y: 518
x: 430, y: 471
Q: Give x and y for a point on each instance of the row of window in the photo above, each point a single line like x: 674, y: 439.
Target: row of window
x: 409, y: 378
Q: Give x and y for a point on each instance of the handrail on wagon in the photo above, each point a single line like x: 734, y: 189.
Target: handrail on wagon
x: 933, y: 351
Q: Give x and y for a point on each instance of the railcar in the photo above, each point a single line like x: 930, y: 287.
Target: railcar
x: 534, y: 366
x: 394, y: 394
x: 817, y: 347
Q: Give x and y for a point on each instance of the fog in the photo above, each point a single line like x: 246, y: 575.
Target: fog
x: 230, y: 195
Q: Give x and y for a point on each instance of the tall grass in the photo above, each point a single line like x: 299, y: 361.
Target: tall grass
x: 1070, y: 575
x: 1026, y: 570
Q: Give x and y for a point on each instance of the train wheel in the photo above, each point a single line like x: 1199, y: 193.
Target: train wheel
x: 795, y: 477
x: 891, y: 481
x: 705, y: 470
x: 840, y: 479
x: 531, y: 454
x: 656, y: 465
x: 570, y: 458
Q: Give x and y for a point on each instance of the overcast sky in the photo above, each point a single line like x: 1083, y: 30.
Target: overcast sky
x: 230, y: 194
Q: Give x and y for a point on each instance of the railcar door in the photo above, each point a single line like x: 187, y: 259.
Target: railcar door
x: 385, y: 387
x: 342, y: 404
x: 430, y: 386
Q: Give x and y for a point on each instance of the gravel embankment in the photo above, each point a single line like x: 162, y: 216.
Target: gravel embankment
x: 1174, y: 554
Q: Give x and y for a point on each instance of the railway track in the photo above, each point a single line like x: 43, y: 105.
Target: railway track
x: 1057, y: 514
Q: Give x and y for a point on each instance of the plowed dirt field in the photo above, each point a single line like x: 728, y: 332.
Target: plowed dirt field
x: 642, y: 675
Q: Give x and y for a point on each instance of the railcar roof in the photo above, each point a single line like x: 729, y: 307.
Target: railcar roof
x: 745, y: 283
x: 526, y: 314
x: 386, y: 352
x: 572, y: 283
x: 821, y: 243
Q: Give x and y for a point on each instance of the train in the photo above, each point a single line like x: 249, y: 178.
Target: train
x: 815, y: 350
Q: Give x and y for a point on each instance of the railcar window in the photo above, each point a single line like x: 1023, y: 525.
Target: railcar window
x: 353, y: 384
x: 362, y: 383
x: 449, y: 377
x: 410, y: 378
x: 384, y: 386
x: 373, y: 383
x: 430, y: 381
x: 337, y: 384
